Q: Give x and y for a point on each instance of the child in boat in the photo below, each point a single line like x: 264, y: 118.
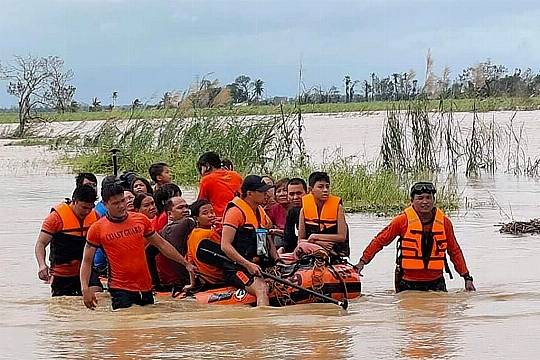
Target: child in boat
x: 160, y: 174
x: 322, y: 224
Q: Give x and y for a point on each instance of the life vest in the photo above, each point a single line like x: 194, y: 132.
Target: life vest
x: 68, y: 244
x: 410, y: 245
x: 245, y: 239
x: 326, y: 222
x: 210, y: 273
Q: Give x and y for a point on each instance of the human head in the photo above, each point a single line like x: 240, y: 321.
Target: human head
x: 296, y: 189
x: 141, y: 185
x: 164, y: 193
x: 176, y: 208
x: 281, y: 191
x: 128, y: 195
x: 267, y: 180
x: 319, y: 185
x: 86, y: 179
x: 112, y: 195
x: 208, y: 162
x: 255, y: 189
x: 203, y: 212
x: 144, y: 204
x: 83, y: 200
x: 160, y: 173
x: 423, y: 197
x: 127, y: 178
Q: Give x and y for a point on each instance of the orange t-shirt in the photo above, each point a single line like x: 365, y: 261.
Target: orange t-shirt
x: 124, y: 244
x: 219, y: 187
x: 210, y: 273
x: 398, y: 227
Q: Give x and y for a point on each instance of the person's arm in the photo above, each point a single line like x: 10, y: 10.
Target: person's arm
x: 227, y: 237
x: 341, y: 235
x: 301, y: 227
x: 383, y: 238
x: 456, y: 255
x: 89, y: 296
x: 42, y: 242
x: 168, y: 250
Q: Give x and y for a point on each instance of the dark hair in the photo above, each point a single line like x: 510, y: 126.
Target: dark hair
x: 137, y: 202
x: 195, y: 208
x: 111, y: 189
x: 209, y: 158
x: 318, y: 176
x: 227, y: 164
x: 298, y: 181
x: 164, y: 193
x: 281, y: 183
x: 109, y: 180
x: 156, y: 169
x: 169, y: 204
x: 88, y: 176
x: 149, y: 189
x: 127, y: 178
x: 85, y: 193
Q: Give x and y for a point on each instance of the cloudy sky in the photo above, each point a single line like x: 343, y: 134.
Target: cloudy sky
x: 142, y: 48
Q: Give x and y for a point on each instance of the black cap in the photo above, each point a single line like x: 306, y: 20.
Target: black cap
x: 254, y: 183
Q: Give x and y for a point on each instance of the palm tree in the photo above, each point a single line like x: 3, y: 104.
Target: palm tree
x: 258, y: 89
x: 372, y: 86
x: 96, y: 104
x: 347, y: 80
x: 114, y: 98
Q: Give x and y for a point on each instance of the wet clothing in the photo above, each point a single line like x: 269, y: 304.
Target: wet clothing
x: 434, y: 285
x: 124, y: 245
x: 219, y: 187
x: 160, y: 221
x: 68, y: 239
x: 325, y: 221
x: 210, y: 271
x: 290, y: 236
x: 170, y: 272
x: 71, y: 285
x: 240, y: 216
x: 398, y: 227
x: 122, y: 299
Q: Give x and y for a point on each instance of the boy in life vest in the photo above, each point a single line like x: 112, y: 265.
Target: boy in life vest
x: 160, y: 174
x: 322, y: 220
x: 425, y: 235
x: 65, y: 230
x: 244, y: 239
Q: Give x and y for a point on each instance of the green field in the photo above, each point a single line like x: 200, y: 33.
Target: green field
x: 488, y: 104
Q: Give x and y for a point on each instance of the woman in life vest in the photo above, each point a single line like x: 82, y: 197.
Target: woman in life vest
x: 202, y: 237
x: 426, y: 236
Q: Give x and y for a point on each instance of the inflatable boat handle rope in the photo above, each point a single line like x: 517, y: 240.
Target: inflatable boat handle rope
x: 343, y: 303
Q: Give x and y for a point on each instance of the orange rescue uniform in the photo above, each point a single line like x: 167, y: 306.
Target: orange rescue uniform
x: 219, y: 187
x: 209, y: 273
x: 411, y: 262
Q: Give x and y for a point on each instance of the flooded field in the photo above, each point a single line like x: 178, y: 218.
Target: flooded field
x: 500, y: 320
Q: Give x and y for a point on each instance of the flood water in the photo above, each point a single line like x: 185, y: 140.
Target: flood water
x: 500, y: 320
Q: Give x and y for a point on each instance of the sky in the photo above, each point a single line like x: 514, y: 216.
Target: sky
x: 142, y: 48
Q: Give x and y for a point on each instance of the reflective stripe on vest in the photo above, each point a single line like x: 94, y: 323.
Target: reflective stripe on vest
x: 327, y: 219
x: 251, y: 221
x: 411, y: 243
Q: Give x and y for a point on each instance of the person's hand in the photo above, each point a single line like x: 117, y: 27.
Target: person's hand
x: 89, y: 298
x: 312, y: 238
x: 254, y: 269
x: 469, y: 286
x: 44, y: 273
x: 359, y: 267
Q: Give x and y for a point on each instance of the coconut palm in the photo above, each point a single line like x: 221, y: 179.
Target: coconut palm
x: 114, y: 98
x: 258, y: 89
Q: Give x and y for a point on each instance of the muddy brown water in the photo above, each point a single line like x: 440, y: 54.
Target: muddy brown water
x: 500, y: 320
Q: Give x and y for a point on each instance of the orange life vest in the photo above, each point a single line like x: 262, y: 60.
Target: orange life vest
x: 410, y: 245
x: 245, y: 239
x: 211, y: 274
x: 67, y: 245
x: 326, y: 222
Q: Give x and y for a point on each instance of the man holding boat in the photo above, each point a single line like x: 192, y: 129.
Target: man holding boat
x: 426, y: 235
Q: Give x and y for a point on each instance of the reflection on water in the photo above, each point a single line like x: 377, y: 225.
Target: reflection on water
x: 500, y: 320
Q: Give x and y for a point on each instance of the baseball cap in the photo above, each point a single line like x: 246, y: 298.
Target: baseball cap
x: 254, y: 183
